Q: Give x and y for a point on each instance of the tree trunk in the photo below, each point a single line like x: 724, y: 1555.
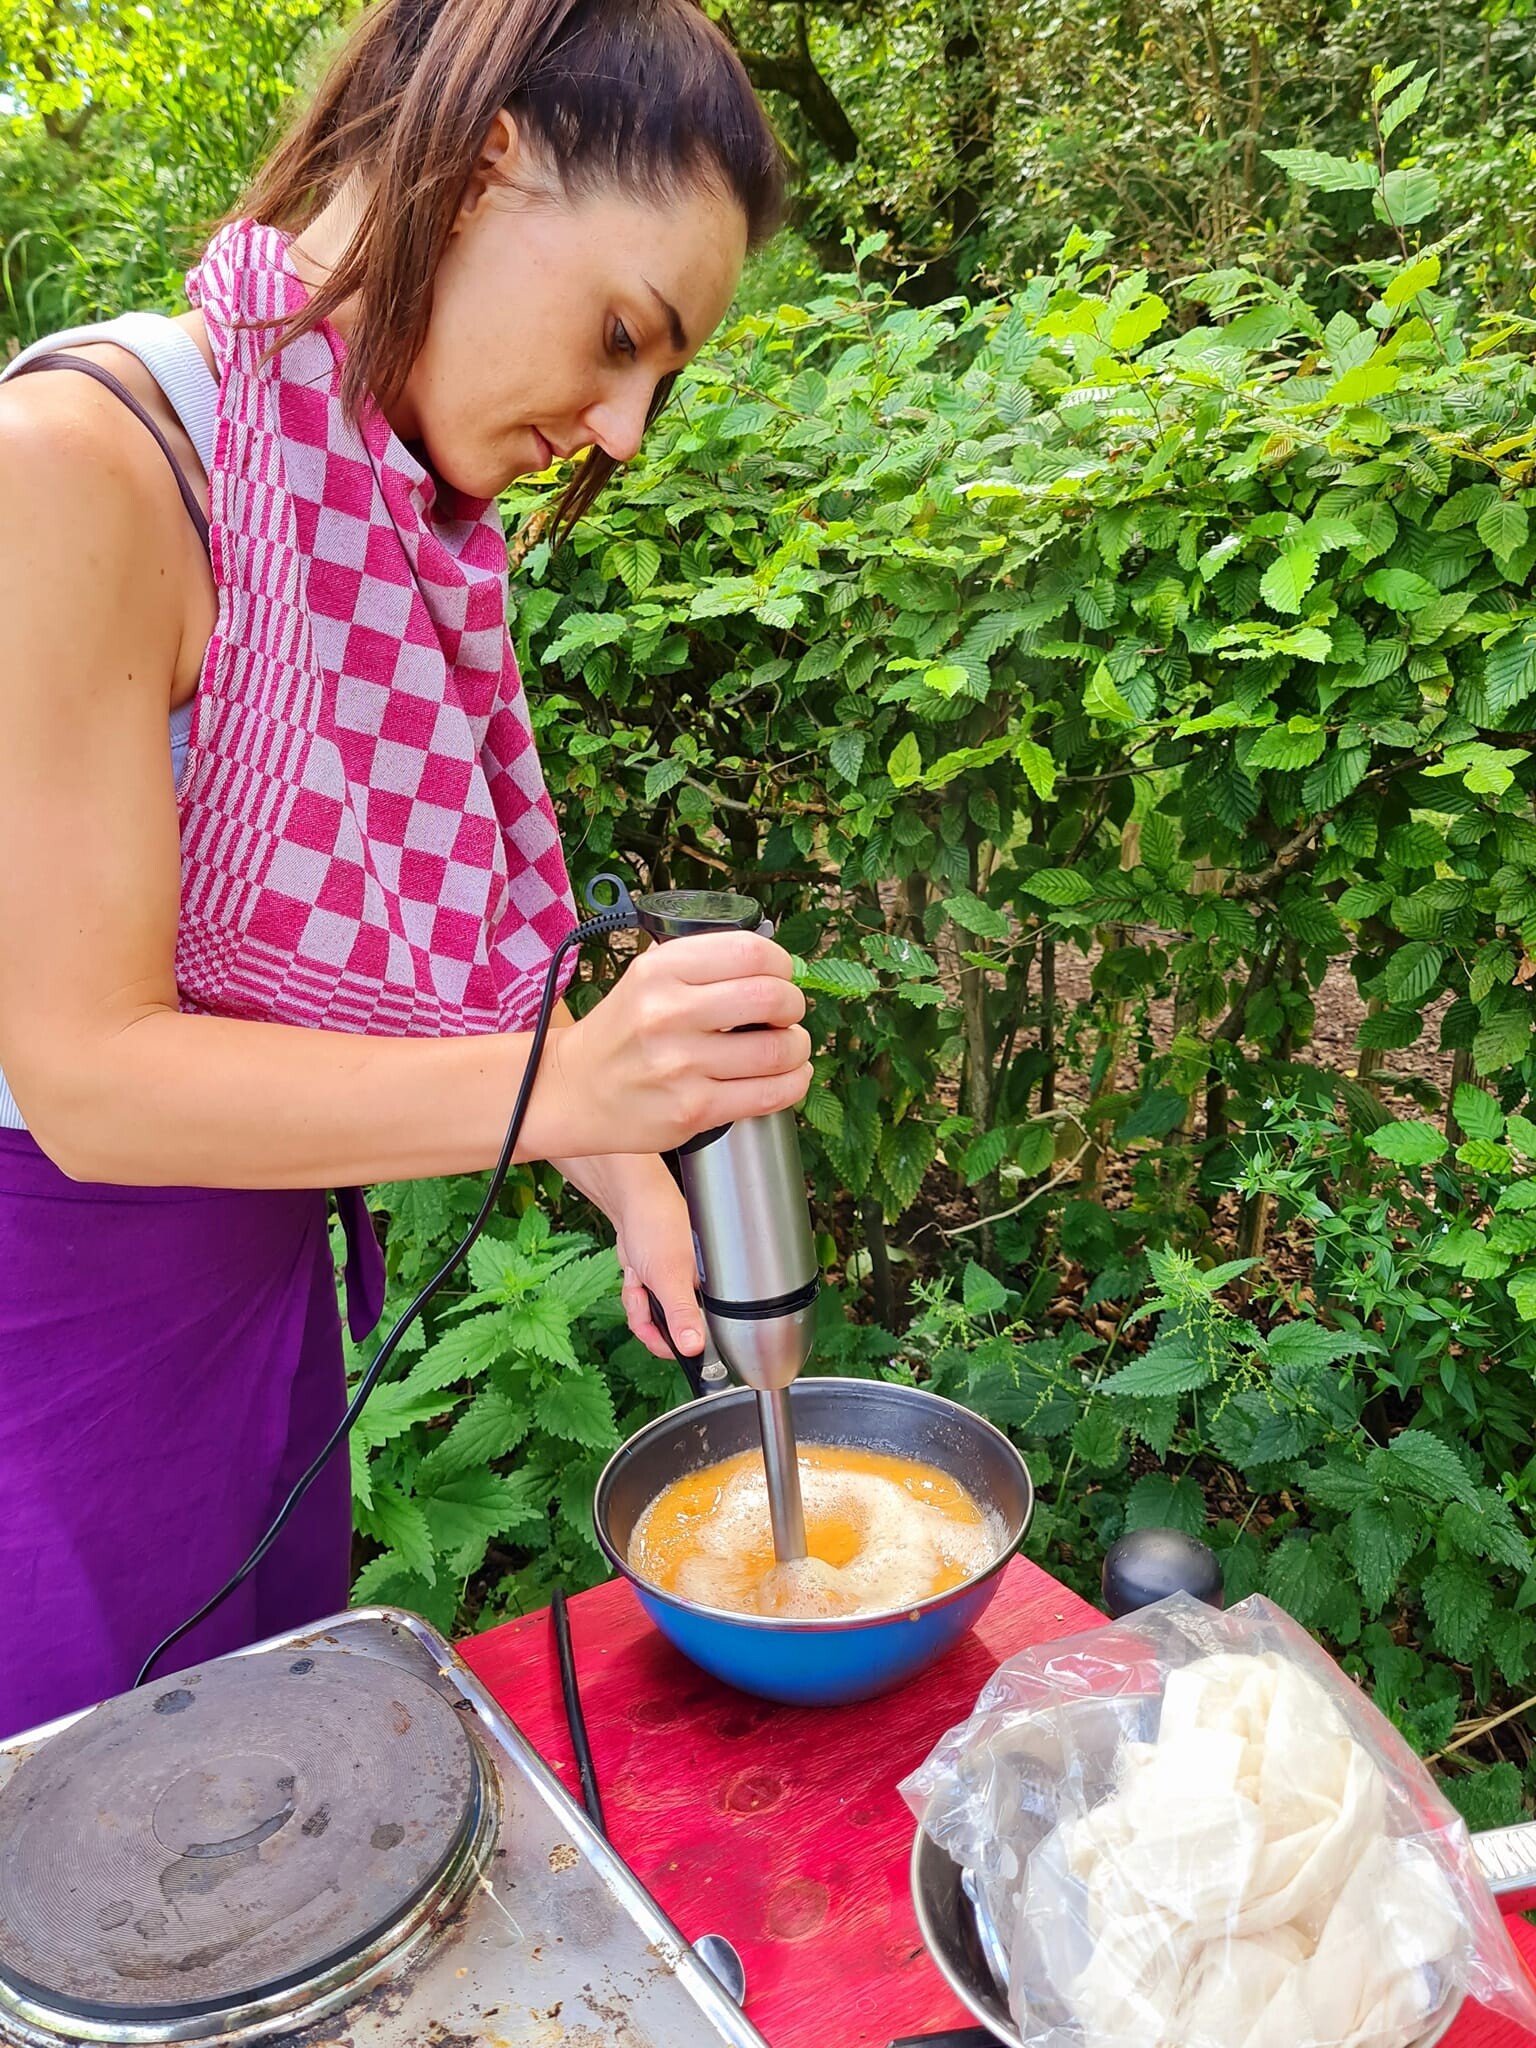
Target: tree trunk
x: 882, y: 1283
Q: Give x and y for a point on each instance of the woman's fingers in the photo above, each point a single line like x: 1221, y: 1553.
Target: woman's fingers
x: 723, y: 956
x: 754, y: 1055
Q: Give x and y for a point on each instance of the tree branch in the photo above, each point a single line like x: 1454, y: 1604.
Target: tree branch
x: 797, y: 77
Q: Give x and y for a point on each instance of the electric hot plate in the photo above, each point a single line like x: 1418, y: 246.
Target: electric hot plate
x: 337, y: 1839
x: 225, y: 1837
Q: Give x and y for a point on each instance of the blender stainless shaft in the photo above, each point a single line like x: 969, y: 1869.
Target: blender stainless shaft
x: 745, y: 1189
x: 781, y: 1468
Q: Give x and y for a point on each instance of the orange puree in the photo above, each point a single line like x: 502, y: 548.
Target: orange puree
x: 881, y: 1532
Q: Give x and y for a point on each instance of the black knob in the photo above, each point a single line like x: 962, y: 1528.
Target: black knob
x: 1149, y: 1564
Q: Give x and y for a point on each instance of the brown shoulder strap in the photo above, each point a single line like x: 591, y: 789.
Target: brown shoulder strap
x: 61, y: 359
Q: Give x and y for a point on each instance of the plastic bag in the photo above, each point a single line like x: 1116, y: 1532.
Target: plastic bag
x: 1191, y: 1830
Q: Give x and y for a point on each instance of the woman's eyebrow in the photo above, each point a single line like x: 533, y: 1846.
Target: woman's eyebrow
x: 674, y: 319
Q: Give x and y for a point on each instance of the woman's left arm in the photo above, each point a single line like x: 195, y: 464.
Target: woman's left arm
x: 652, y: 1236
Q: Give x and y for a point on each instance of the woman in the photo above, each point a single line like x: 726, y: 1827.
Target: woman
x: 297, y: 946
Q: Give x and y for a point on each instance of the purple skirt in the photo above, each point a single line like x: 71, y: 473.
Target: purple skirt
x: 170, y: 1361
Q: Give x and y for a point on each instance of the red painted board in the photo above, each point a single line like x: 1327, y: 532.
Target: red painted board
x: 781, y: 1827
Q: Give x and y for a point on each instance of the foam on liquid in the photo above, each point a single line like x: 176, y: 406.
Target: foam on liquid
x: 881, y: 1532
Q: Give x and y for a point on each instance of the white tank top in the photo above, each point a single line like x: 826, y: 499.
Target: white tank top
x: 176, y: 363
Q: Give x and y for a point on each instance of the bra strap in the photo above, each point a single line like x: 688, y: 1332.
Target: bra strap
x: 61, y: 359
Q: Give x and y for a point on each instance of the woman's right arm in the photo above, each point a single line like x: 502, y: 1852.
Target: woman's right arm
x: 116, y: 1083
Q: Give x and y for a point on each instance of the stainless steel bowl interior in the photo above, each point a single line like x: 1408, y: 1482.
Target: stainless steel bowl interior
x: 946, y: 1920
x: 869, y: 1414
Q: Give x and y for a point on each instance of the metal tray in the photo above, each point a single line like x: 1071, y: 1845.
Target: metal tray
x: 559, y: 1945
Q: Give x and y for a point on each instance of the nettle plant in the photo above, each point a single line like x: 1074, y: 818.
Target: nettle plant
x: 1189, y: 627
x: 474, y: 1465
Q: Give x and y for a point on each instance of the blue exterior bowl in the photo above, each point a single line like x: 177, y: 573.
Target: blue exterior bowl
x: 835, y: 1660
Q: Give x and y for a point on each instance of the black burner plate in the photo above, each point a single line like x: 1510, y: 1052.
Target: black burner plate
x: 228, y: 1834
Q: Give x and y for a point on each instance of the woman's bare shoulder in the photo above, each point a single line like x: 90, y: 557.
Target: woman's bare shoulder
x: 90, y: 516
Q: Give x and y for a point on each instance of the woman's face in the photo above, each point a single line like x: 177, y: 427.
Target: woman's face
x: 555, y: 317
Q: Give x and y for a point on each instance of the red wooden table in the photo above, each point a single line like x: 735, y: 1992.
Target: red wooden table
x: 781, y: 1827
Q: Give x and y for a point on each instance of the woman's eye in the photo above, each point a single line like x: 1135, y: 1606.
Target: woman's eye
x: 622, y: 340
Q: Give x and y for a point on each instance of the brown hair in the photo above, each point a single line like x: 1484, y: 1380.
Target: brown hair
x: 645, y: 94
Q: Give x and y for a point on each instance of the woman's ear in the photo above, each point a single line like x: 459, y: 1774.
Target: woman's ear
x: 495, y: 165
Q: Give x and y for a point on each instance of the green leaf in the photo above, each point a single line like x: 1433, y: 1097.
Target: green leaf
x: 1400, y: 590
x: 1509, y: 671
x: 1159, y: 1111
x: 906, y: 1152
x: 578, y: 1407
x: 1458, y: 1600
x: 969, y: 912
x: 1367, y: 380
x: 1306, y: 1343
x: 464, y: 1352
x: 1390, y: 1030
x: 985, y: 1154
x: 846, y: 753
x: 662, y: 776
x: 469, y: 1510
x: 1425, y: 1465
x: 396, y: 1407
x: 1504, y: 528
x: 1098, y: 1439
x: 905, y: 765
x: 829, y: 975
x: 1477, y: 1112
x: 637, y: 562
x: 1325, y: 172
x: 1522, y: 1292
x: 1520, y: 1132
x: 1409, y: 1144
x: 1102, y: 700
x: 1412, y: 971
x: 1170, y: 1367
x: 1299, y: 1576
x: 1137, y: 324
x: 1407, y: 197
x: 541, y: 1324
x: 1502, y: 1038
x: 1158, y: 1502
x: 1288, y: 579
x: 1414, y: 277
x: 1340, y: 771
x: 1039, y: 768
x: 1393, y: 115
x: 1379, y: 1538
x: 491, y: 1426
x: 982, y: 1292
x: 399, y: 1525
x: 1060, y: 886
x: 1296, y: 744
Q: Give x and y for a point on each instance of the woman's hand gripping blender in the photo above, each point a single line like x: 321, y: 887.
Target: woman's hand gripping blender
x: 744, y: 1187
x: 690, y: 1036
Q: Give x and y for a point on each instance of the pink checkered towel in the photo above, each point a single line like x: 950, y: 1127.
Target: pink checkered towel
x: 367, y: 841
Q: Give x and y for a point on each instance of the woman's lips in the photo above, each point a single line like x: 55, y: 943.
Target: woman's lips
x: 546, y: 454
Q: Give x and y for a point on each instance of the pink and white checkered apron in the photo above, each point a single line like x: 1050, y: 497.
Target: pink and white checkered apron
x: 367, y: 841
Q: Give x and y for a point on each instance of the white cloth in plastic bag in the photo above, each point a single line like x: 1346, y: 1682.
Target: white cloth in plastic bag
x: 1193, y: 1831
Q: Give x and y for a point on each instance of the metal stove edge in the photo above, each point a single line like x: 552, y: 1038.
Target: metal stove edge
x: 375, y: 2014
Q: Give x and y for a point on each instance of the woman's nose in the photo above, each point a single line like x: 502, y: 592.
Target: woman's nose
x: 618, y: 424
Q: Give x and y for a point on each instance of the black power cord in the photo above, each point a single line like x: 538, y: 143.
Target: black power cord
x: 618, y: 916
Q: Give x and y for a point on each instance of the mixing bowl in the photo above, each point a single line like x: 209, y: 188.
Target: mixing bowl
x: 947, y: 1922
x: 834, y: 1659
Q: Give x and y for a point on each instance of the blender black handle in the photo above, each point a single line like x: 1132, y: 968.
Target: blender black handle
x: 691, y: 1363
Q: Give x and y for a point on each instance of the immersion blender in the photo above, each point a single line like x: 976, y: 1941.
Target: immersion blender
x: 745, y: 1190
